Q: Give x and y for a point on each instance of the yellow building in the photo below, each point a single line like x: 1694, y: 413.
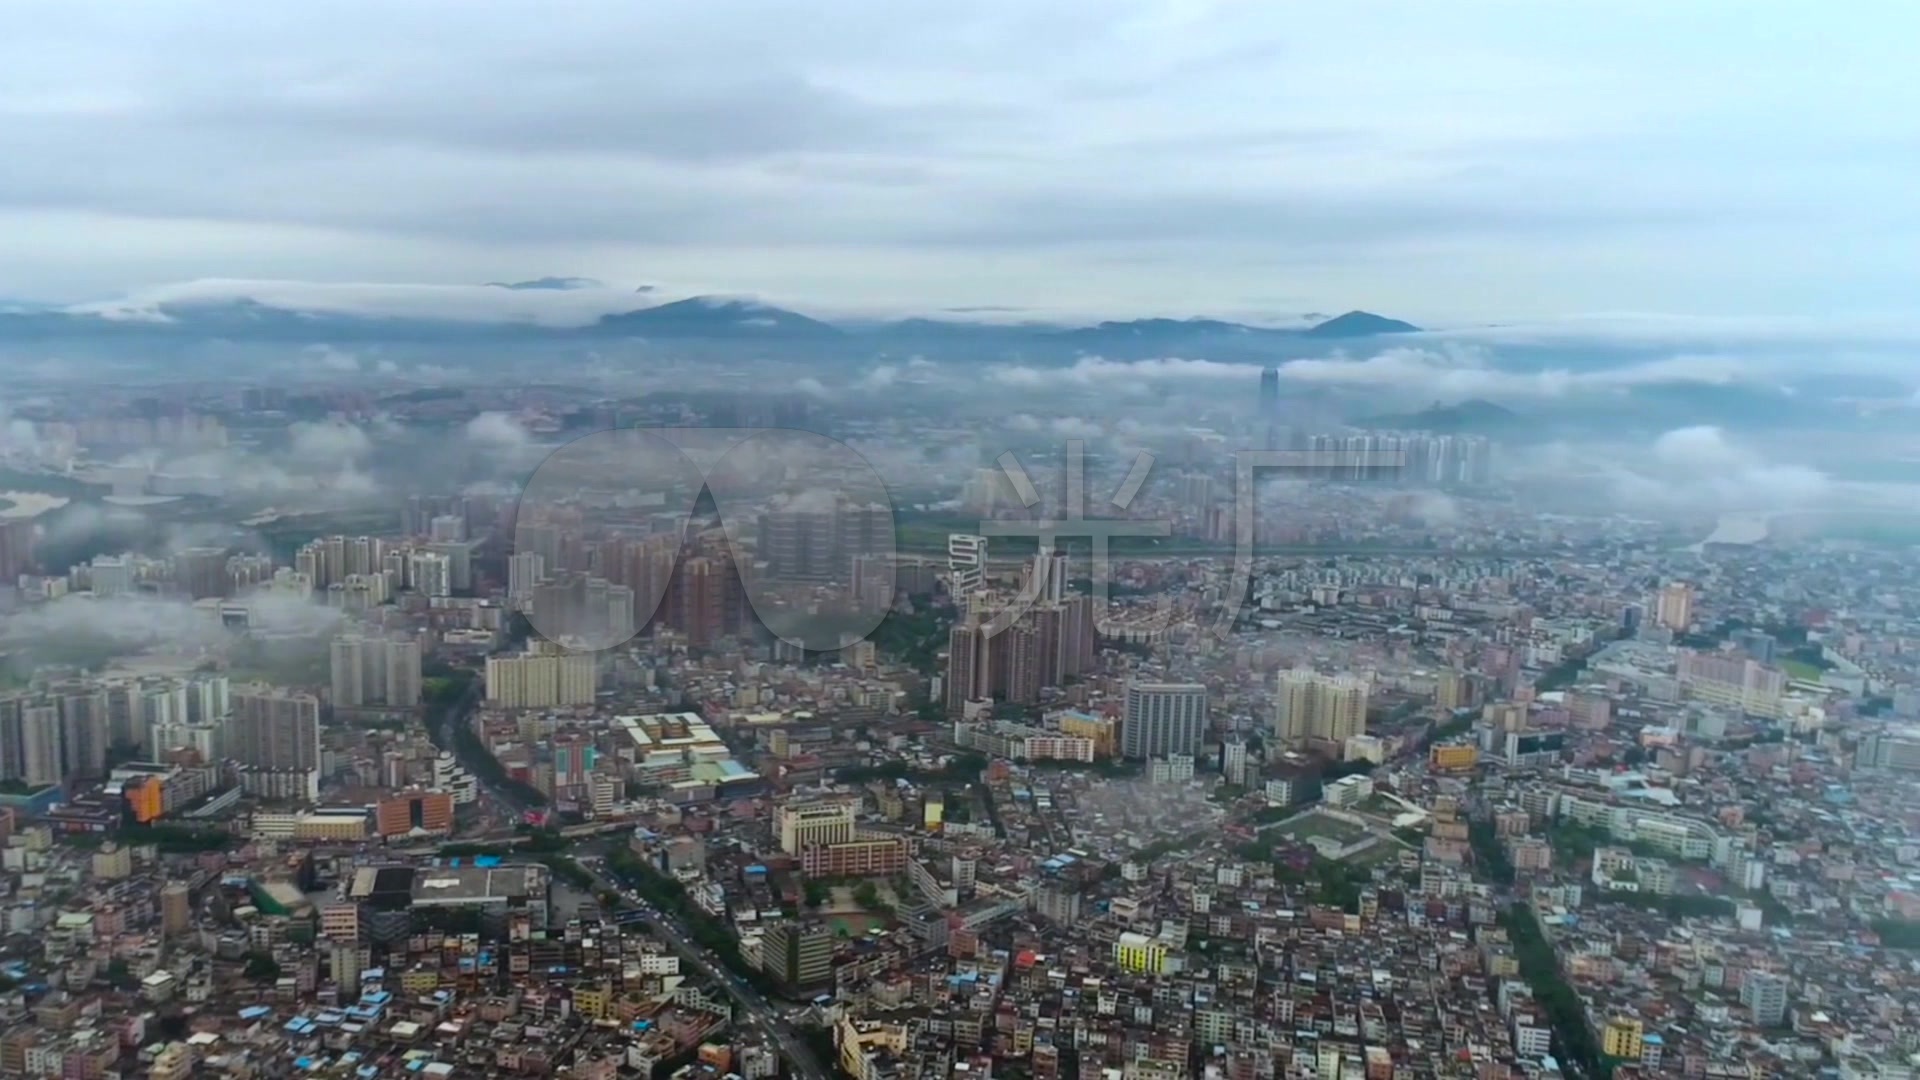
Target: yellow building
x: 343, y: 823
x: 1623, y: 1038
x: 591, y: 1002
x: 801, y: 825
x: 1452, y: 758
x: 1101, y: 729
x: 147, y: 799
x: 862, y: 1041
x: 420, y: 980
x: 1138, y: 952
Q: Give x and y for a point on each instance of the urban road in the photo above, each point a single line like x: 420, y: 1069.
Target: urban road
x: 760, y: 1014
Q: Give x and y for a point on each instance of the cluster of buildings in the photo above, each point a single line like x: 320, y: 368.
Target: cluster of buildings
x: 1499, y: 795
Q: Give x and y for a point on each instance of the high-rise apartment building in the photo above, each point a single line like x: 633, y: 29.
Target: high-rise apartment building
x: 374, y: 671
x: 583, y: 606
x: 798, y: 955
x: 542, y: 679
x: 525, y: 569
x: 201, y: 572
x: 818, y: 543
x: 705, y: 599
x: 110, y: 575
x: 572, y: 756
x: 275, y: 729
x: 1673, y: 606
x: 430, y: 573
x: 83, y: 732
x: 1732, y: 680
x: 1309, y: 706
x: 176, y: 909
x: 969, y: 665
x: 42, y: 746
x: 1163, y: 719
x: 16, y: 548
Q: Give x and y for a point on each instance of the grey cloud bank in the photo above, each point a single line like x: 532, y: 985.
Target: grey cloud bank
x: 1484, y: 161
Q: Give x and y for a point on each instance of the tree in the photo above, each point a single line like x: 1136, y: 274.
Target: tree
x: 868, y: 897
x: 818, y: 892
x: 1898, y: 933
x: 262, y: 968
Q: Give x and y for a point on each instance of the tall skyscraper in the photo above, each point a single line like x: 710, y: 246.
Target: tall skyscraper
x: 1017, y: 662
x: 966, y: 563
x: 1163, y: 719
x: 969, y: 665
x: 16, y: 548
x: 1269, y: 392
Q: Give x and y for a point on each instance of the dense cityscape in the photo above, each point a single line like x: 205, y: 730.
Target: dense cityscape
x: 1116, y: 540
x: 535, y: 785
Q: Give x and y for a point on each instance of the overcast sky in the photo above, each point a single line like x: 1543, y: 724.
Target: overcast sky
x: 1441, y: 160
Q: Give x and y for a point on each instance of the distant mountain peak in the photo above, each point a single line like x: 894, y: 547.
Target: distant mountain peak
x: 1360, y: 324
x: 1474, y: 416
x: 551, y: 283
x: 717, y: 317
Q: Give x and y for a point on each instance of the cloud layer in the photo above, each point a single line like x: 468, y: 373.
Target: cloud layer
x: 1447, y: 373
x: 1489, y: 160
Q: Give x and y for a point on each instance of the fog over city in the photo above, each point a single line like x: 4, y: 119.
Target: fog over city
x: 1067, y: 540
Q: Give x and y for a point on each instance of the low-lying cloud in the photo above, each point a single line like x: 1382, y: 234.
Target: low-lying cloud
x: 1690, y: 471
x: 1450, y: 373
x: 498, y: 431
x: 329, y: 442
x: 135, y: 622
x: 483, y: 304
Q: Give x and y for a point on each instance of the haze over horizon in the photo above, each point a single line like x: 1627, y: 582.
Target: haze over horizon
x: 1488, y: 161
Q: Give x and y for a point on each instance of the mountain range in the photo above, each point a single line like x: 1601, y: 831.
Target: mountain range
x: 1471, y: 417
x: 716, y: 319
